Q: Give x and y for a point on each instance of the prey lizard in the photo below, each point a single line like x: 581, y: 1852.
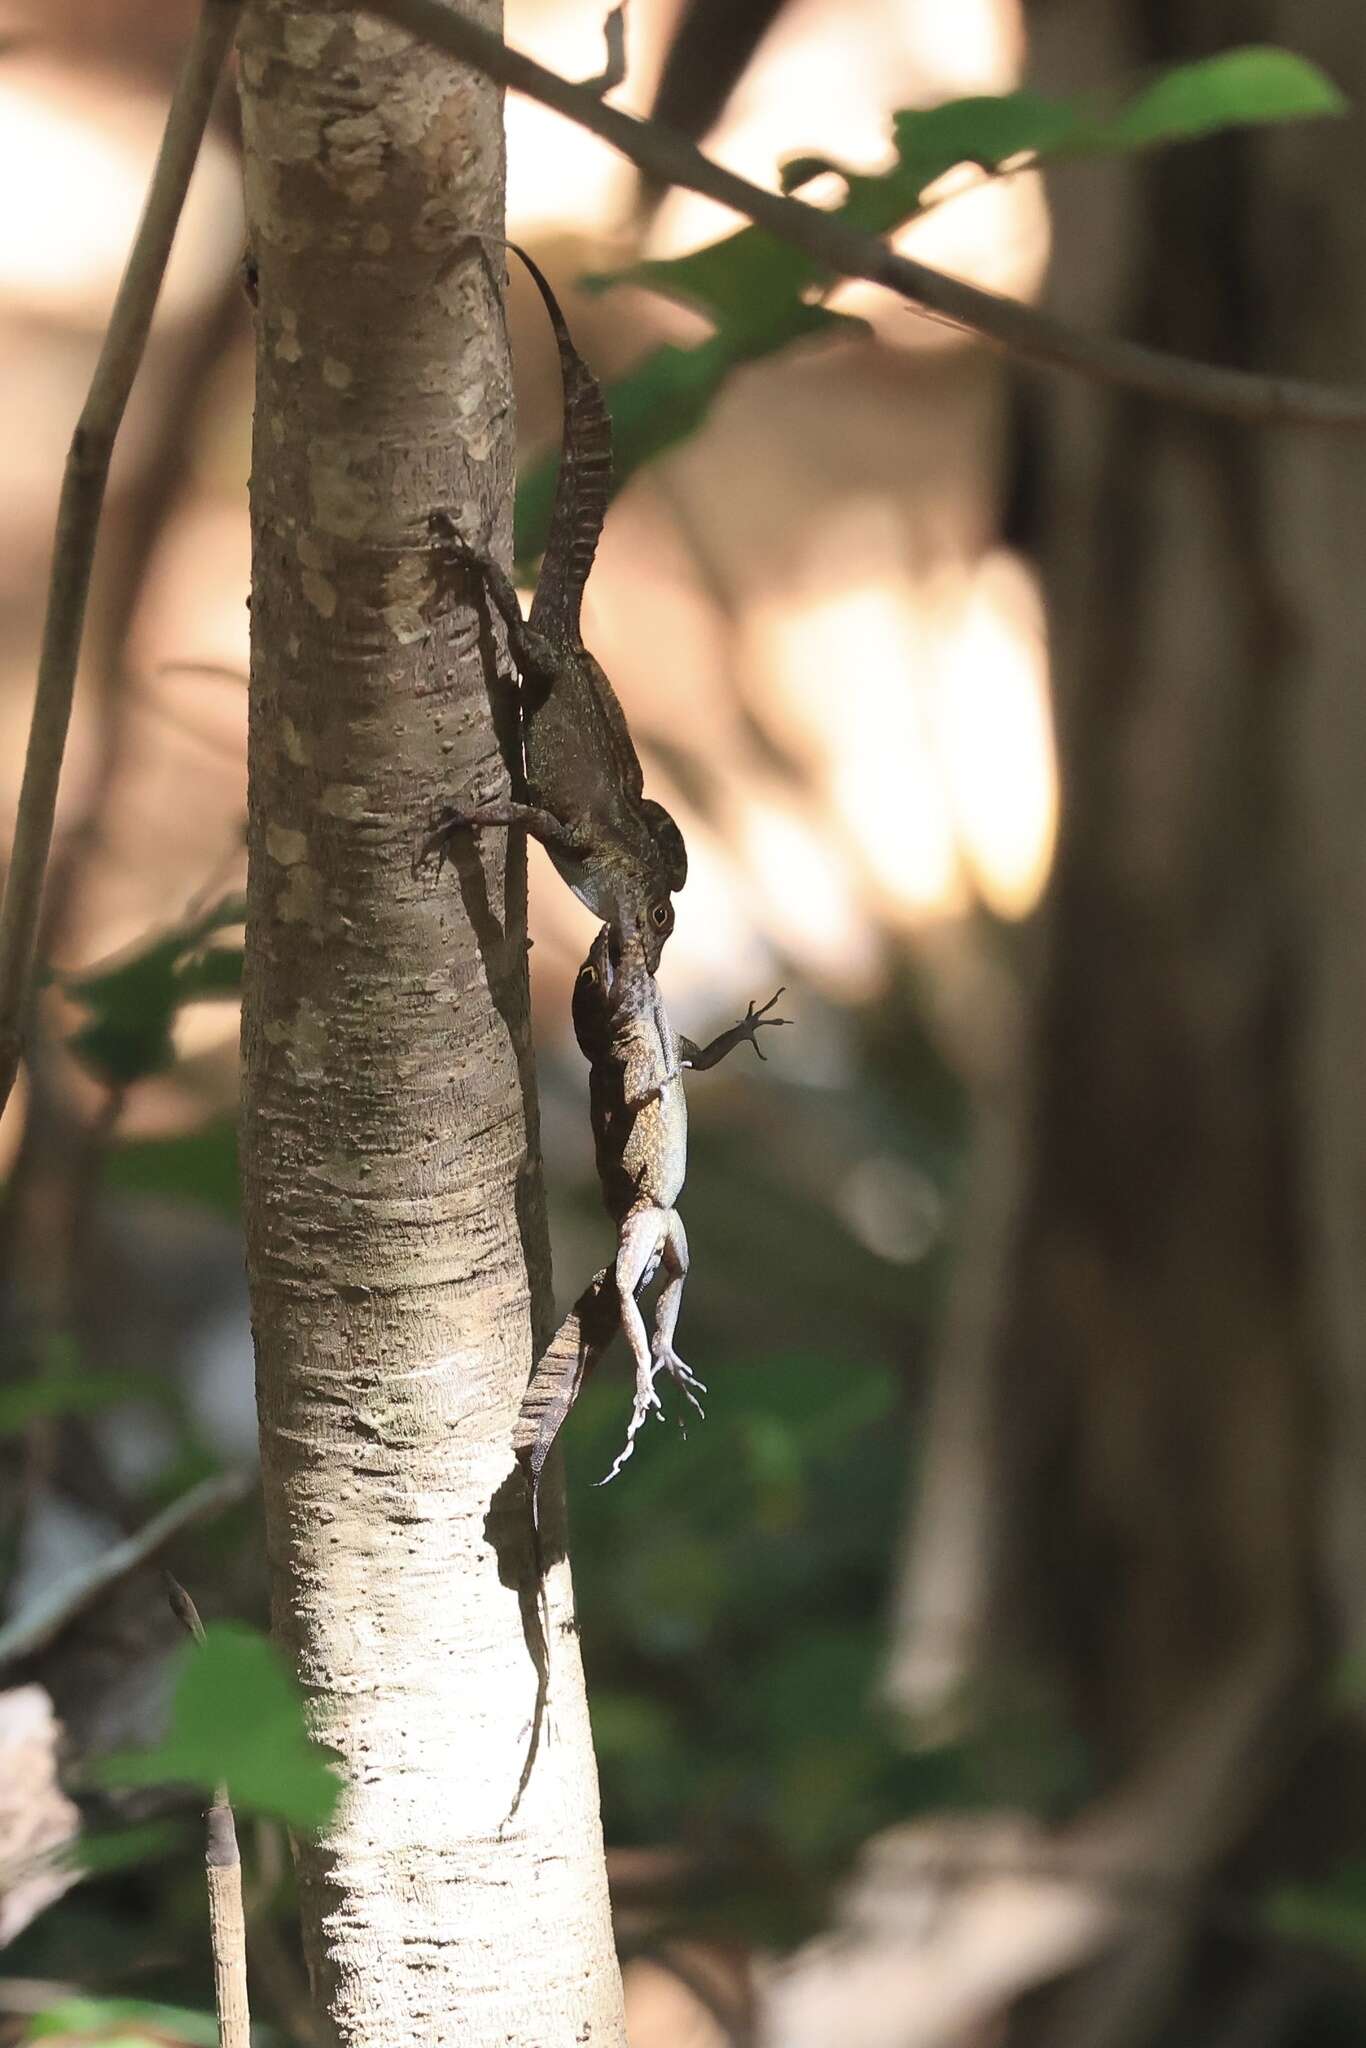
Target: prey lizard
x: 640, y: 1135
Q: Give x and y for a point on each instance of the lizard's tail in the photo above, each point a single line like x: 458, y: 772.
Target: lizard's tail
x: 583, y: 488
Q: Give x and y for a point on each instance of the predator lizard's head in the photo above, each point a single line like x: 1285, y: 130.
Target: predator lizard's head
x: 629, y: 880
x: 666, y: 873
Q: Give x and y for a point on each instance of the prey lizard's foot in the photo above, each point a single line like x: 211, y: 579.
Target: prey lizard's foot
x: 748, y: 1027
x: 746, y: 1032
x: 646, y: 1400
x: 667, y: 1360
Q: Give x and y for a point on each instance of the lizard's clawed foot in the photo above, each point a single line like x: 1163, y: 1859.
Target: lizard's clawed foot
x: 447, y: 535
x: 646, y: 1399
x: 455, y: 551
x: 753, y: 1018
x: 667, y: 1360
x: 437, y: 841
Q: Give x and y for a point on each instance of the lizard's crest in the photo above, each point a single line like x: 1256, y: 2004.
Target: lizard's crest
x: 669, y: 841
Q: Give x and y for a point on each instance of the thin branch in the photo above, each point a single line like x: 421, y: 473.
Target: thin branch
x: 44, y: 1620
x: 223, y: 1869
x: 613, y: 72
x: 147, y: 508
x: 1024, y: 331
x: 78, y: 515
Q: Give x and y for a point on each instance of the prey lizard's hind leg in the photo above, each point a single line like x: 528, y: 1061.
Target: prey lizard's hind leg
x: 666, y: 1359
x: 642, y: 1234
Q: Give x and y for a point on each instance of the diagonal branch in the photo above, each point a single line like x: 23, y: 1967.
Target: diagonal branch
x: 78, y: 515
x: 1034, y: 336
x: 40, y: 1624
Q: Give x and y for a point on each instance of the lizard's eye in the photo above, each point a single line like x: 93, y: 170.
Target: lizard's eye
x: 661, y: 916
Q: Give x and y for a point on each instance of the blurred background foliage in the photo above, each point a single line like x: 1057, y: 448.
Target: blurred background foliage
x: 821, y: 601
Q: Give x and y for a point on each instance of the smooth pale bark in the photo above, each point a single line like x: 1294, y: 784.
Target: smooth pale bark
x: 396, y: 1234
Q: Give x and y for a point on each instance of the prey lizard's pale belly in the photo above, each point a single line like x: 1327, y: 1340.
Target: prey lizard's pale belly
x: 656, y: 1152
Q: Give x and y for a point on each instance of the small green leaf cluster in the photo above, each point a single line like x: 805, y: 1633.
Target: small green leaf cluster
x: 133, y: 1002
x: 762, y: 295
x: 237, y: 1720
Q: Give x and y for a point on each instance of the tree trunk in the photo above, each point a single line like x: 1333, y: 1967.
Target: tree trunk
x: 396, y: 1236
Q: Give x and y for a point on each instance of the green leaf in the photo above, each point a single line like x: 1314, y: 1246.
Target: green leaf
x: 96, y: 1855
x: 214, y: 976
x: 1330, y: 1915
x: 665, y: 398
x: 73, y: 1393
x: 134, y: 1001
x: 757, y: 290
x: 1242, y: 88
x: 751, y: 283
x: 238, y: 1719
x: 120, y: 2022
x: 199, y: 1167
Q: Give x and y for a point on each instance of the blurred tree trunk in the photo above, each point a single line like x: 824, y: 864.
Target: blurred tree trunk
x: 1182, y: 1384
x: 396, y: 1234
x: 1158, y: 1399
x: 1176, y: 1350
x: 1146, y: 1470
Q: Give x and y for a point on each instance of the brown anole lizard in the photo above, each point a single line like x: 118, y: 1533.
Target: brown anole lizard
x: 640, y: 1133
x: 619, y: 851
x: 640, y: 1137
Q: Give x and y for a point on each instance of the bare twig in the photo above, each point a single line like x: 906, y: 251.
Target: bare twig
x: 78, y: 515
x: 147, y: 508
x: 613, y: 72
x: 223, y: 1869
x: 44, y: 1620
x: 1031, y: 335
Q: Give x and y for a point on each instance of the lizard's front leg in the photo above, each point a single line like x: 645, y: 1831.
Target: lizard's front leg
x: 675, y: 1262
x: 699, y: 1057
x: 638, y: 1245
x: 554, y: 834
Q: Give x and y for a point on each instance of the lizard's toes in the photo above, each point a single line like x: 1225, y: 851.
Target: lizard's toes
x: 433, y: 842
x: 438, y: 841
x: 683, y: 1376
